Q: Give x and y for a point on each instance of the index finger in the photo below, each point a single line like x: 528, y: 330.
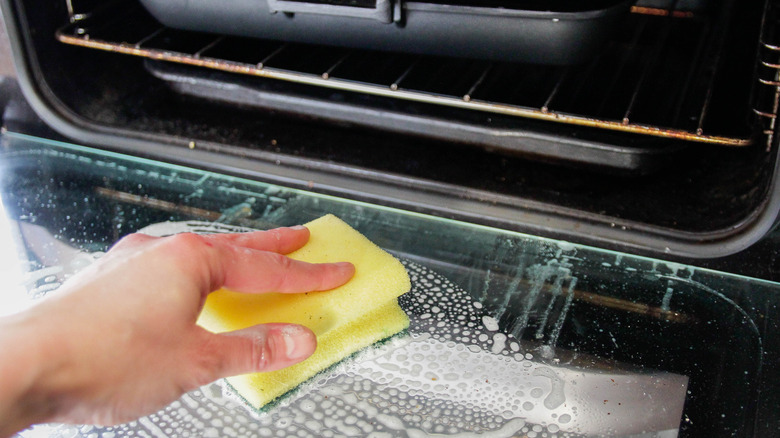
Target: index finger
x: 280, y: 240
x: 213, y: 263
x: 252, y: 271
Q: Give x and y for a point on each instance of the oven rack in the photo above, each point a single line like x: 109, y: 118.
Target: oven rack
x: 768, y: 71
x: 627, y: 88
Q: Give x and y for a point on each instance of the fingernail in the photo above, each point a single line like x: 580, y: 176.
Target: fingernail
x: 346, y: 266
x: 298, y: 227
x: 296, y: 342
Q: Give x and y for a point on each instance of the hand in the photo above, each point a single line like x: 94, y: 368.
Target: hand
x: 119, y: 339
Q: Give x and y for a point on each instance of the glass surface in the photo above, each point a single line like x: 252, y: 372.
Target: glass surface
x: 512, y: 335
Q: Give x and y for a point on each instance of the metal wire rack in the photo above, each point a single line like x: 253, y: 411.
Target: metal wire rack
x: 767, y: 97
x: 657, y: 77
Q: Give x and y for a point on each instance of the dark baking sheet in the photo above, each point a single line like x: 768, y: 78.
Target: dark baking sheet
x: 537, y: 32
x: 490, y: 131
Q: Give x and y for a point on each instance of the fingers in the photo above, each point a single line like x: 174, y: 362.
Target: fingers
x: 279, y: 240
x: 260, y: 348
x: 259, y: 271
x: 248, y: 262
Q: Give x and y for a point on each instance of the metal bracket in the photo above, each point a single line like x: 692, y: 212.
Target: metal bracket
x: 382, y: 12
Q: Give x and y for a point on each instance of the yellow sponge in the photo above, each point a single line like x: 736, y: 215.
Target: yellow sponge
x: 346, y: 319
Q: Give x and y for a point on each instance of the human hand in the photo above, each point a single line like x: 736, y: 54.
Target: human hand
x: 119, y: 339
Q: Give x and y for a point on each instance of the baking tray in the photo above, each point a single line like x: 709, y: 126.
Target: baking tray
x: 560, y: 33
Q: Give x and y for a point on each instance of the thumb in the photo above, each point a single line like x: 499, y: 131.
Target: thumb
x: 260, y: 348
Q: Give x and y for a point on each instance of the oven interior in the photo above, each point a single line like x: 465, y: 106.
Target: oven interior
x: 660, y: 142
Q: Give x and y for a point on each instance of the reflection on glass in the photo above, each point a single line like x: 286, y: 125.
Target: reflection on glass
x: 14, y: 293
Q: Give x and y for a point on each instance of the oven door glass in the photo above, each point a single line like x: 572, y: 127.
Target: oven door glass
x: 511, y: 335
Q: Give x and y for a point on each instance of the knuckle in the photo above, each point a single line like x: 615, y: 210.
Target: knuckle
x: 206, y: 365
x: 197, y: 256
x: 278, y: 237
x: 261, y: 355
x: 284, y: 266
x: 187, y: 246
x: 256, y: 350
x: 285, y: 263
x: 132, y: 240
x: 187, y: 240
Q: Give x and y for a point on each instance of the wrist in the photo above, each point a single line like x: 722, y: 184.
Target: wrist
x: 23, y: 400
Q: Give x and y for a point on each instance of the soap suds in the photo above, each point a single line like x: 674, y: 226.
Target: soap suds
x: 490, y: 323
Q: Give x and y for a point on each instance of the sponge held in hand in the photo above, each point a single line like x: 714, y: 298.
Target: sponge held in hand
x: 345, y: 320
